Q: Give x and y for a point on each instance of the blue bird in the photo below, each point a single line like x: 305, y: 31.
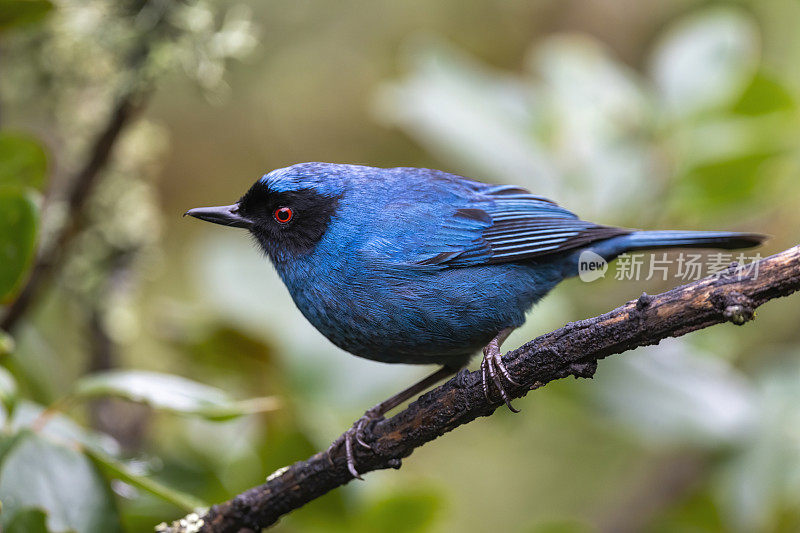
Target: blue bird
x: 418, y: 266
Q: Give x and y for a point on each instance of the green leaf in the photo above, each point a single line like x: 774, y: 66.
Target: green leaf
x: 170, y: 393
x: 696, y: 511
x: 8, y: 390
x: 23, y: 161
x: 30, y: 520
x: 61, y: 428
x: 119, y: 470
x: 60, y: 480
x: 764, y: 95
x: 19, y: 217
x: 406, y: 512
x: 21, y: 12
x: 725, y: 184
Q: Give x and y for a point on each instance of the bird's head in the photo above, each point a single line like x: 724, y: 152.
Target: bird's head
x: 287, y: 210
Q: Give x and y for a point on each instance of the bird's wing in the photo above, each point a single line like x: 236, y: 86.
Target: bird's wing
x: 501, y: 224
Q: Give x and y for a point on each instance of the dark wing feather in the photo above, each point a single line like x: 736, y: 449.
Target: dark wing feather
x: 509, y: 224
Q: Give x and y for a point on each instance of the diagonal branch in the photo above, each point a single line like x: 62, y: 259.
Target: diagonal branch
x: 572, y: 350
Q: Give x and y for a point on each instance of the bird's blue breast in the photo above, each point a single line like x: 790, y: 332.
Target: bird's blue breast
x: 414, y: 317
x: 361, y: 288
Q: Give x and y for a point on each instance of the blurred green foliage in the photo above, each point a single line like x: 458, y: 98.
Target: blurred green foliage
x: 18, y: 220
x: 28, y: 521
x: 169, y: 393
x: 649, y: 114
x: 24, y: 162
x: 39, y: 474
x: 14, y: 13
x: 23, y: 165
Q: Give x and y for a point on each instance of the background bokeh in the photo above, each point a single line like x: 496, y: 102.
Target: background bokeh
x: 178, y: 371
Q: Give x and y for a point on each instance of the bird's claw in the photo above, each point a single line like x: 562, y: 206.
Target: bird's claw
x: 360, y: 427
x: 356, y: 434
x: 492, y: 367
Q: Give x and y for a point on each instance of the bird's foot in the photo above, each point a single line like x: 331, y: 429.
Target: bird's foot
x: 493, y: 368
x: 356, y: 435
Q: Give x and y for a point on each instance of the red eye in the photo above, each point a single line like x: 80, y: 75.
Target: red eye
x: 283, y: 215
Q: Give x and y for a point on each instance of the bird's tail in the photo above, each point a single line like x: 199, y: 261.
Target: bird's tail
x: 609, y: 249
x: 650, y: 240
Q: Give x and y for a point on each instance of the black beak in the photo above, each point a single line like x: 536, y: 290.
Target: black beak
x: 226, y: 215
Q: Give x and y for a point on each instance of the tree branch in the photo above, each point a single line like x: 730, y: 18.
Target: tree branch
x: 572, y: 350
